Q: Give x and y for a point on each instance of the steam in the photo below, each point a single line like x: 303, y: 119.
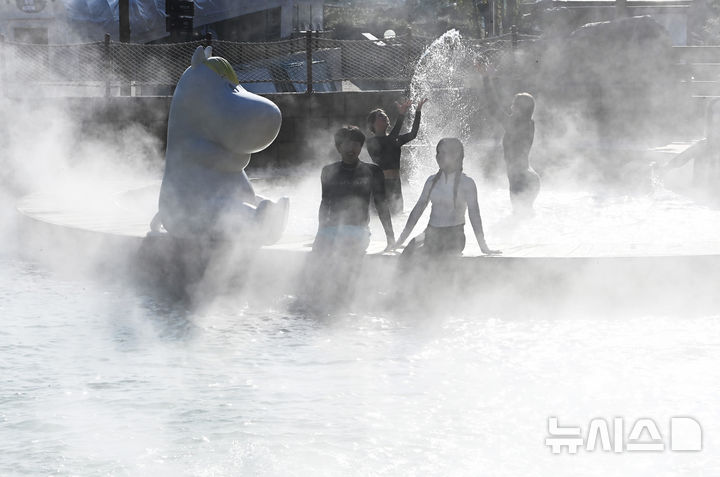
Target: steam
x: 598, y: 191
x: 50, y: 149
x: 446, y: 367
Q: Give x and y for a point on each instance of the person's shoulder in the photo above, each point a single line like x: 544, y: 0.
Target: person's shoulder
x: 466, y: 180
x: 372, y: 144
x: 331, y: 167
x: 373, y: 168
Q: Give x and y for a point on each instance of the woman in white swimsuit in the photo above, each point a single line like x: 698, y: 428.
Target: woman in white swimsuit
x: 451, y: 194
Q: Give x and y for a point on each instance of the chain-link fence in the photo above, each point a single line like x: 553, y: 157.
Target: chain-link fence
x: 306, y: 63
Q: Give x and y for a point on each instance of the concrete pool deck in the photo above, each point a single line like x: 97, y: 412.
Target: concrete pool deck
x: 123, y: 210
x: 109, y: 223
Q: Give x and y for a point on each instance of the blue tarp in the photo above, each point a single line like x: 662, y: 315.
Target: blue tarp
x: 146, y: 16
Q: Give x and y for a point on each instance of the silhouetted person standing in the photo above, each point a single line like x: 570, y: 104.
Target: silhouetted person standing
x: 517, y: 141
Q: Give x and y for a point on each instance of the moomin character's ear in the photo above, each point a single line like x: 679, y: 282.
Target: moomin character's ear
x: 208, y: 51
x: 198, y: 57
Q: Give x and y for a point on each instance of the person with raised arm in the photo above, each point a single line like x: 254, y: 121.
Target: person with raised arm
x: 523, y: 181
x: 385, y: 148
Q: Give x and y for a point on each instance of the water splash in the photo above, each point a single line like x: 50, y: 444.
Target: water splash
x: 442, y: 75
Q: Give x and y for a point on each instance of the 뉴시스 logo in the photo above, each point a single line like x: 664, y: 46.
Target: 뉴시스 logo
x: 684, y: 434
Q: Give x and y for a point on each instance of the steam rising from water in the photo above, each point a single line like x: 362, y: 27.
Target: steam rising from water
x: 99, y: 381
x: 97, y: 378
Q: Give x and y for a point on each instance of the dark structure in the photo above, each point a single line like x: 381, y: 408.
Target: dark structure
x: 560, y: 17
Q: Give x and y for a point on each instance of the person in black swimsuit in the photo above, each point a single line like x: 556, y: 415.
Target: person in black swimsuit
x: 518, y: 139
x: 384, y: 148
x: 332, y: 269
x: 347, y: 187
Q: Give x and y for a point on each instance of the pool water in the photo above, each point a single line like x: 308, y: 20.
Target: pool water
x: 98, y: 378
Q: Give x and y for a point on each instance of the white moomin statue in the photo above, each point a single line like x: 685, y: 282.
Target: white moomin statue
x: 214, y: 126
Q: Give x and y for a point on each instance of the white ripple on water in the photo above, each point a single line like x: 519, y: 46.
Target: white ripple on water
x: 104, y: 383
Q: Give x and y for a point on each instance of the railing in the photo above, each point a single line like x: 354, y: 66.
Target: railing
x: 307, y: 63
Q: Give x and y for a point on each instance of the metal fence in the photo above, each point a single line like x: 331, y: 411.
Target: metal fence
x: 306, y: 63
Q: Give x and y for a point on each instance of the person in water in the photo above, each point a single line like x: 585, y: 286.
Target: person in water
x: 518, y: 139
x: 451, y: 193
x: 704, y: 153
x: 384, y: 148
x: 347, y: 187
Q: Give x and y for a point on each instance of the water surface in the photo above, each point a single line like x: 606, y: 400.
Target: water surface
x: 99, y: 379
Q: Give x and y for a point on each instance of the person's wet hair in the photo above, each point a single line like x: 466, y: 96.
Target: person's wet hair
x: 453, y: 147
x: 525, y: 104
x: 349, y: 133
x: 372, y: 117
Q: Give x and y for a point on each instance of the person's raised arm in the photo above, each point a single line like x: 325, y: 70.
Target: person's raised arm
x: 383, y: 211
x: 493, y: 101
x: 491, y: 96
x: 416, y: 212
x: 407, y: 137
x: 402, y: 109
x: 470, y: 190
